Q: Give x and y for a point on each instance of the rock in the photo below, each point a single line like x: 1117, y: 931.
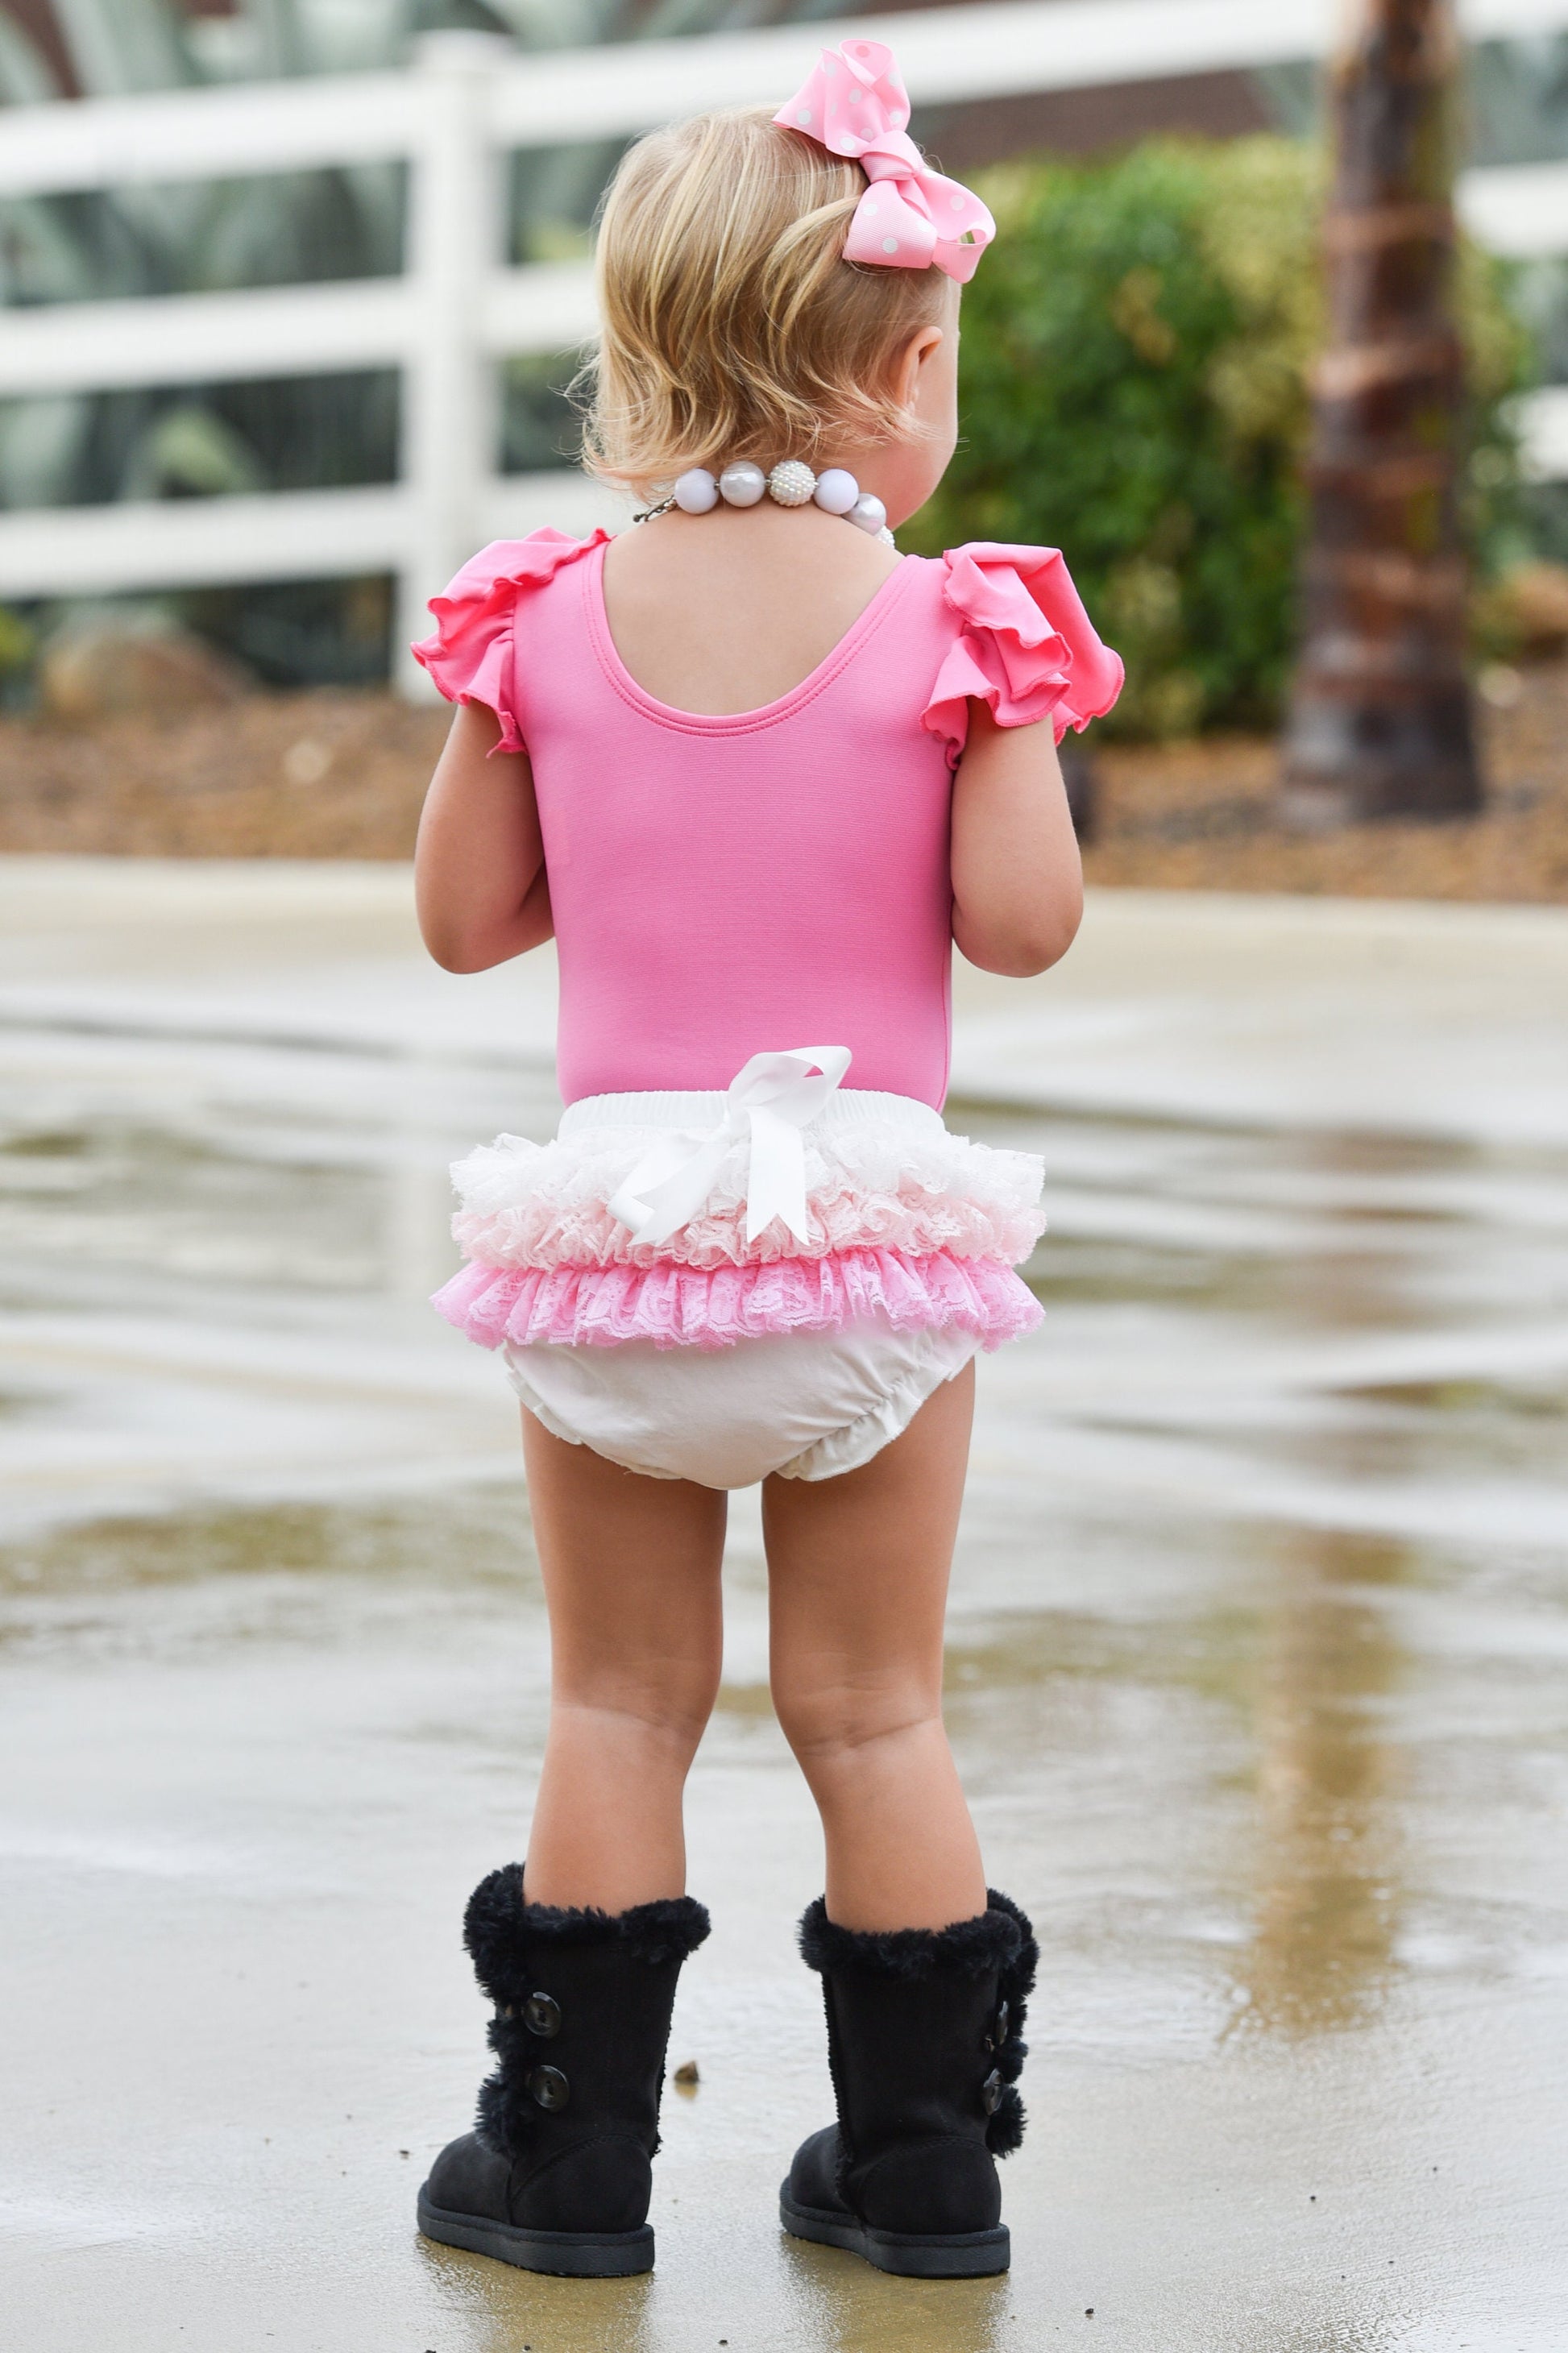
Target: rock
x: 105, y: 666
x: 307, y: 761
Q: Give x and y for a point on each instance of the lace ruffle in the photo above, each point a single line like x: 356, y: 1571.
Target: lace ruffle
x: 469, y: 657
x: 683, y: 1307
x: 1026, y: 648
x: 868, y: 1187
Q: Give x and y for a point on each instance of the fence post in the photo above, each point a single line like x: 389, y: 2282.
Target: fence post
x: 450, y: 412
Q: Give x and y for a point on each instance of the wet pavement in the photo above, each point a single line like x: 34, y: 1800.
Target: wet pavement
x: 1256, y: 1655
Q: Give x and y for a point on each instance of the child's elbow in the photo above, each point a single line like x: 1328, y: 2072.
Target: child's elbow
x: 1026, y: 959
x: 1028, y: 946
x: 1047, y: 945
x: 454, y: 949
x: 456, y: 957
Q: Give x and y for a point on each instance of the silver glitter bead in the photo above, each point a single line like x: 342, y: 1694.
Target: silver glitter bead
x: 790, y: 484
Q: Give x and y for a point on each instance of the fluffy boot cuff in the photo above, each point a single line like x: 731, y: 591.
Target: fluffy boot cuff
x: 1000, y: 1937
x: 501, y: 1928
x: 997, y: 1942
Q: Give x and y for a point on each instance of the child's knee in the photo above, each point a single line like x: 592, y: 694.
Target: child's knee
x: 668, y: 1708
x: 836, y: 1727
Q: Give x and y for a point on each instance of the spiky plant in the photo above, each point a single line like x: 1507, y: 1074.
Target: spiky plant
x: 273, y: 230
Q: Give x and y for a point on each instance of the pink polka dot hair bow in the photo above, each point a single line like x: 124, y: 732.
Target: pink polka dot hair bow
x: 854, y: 103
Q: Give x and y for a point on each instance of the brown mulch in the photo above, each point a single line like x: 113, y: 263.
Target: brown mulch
x: 275, y: 776
x: 333, y: 775
x: 1201, y: 816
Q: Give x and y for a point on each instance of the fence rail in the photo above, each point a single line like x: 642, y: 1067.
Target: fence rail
x: 454, y: 311
x: 276, y: 330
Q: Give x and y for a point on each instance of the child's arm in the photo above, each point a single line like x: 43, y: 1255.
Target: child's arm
x: 479, y: 884
x: 1017, y: 882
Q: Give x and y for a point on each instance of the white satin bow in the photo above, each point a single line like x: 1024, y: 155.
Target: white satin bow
x: 771, y: 1099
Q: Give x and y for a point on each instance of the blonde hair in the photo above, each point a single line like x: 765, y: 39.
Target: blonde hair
x: 733, y: 327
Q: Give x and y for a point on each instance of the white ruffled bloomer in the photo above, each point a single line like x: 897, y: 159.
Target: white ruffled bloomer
x: 719, y: 1356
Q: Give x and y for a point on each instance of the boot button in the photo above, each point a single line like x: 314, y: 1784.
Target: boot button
x: 990, y: 2091
x: 998, y: 2034
x: 549, y: 2087
x: 541, y: 2015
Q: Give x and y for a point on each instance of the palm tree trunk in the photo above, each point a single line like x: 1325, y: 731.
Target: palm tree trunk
x: 1380, y: 719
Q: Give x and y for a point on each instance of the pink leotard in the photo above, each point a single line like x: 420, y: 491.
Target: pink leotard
x: 725, y: 885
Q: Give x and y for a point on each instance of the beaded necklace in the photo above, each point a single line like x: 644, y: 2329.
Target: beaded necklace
x: 790, y: 484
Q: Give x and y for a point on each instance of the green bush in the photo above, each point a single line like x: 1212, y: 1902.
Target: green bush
x: 1133, y: 390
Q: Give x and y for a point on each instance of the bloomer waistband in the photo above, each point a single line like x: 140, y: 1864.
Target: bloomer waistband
x: 701, y: 1108
x: 882, y: 1171
x: 771, y: 1104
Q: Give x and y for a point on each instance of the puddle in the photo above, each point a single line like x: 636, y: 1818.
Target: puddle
x: 477, y: 1538
x: 1255, y: 1671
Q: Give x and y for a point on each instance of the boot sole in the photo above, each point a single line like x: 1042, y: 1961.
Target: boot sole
x: 569, y: 2254
x: 952, y: 2254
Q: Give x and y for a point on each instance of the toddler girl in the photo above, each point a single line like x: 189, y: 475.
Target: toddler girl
x: 756, y: 772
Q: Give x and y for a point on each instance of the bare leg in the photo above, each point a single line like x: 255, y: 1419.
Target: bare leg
x: 857, y: 1570
x: 631, y: 1571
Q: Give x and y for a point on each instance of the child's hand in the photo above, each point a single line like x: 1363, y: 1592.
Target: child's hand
x: 1017, y: 882
x: 479, y: 884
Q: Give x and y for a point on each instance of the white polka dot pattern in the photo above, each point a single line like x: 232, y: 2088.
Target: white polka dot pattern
x: 858, y: 96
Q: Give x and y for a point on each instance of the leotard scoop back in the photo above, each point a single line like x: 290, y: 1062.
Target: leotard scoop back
x: 722, y: 885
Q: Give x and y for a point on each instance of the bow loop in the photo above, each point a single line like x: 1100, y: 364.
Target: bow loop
x: 769, y: 1100
x: 854, y: 103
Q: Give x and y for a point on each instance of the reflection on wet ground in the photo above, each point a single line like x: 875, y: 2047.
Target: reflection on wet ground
x: 1256, y: 1666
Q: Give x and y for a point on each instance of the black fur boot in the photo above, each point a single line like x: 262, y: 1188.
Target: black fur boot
x: 557, y: 2177
x: 924, y: 2044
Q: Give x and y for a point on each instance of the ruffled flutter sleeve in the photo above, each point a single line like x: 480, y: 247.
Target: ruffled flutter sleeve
x: 1024, y: 645
x: 470, y: 656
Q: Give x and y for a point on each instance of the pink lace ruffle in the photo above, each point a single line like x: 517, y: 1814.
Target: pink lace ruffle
x: 1027, y: 647
x: 469, y: 657
x: 682, y: 1306
x: 544, y: 1206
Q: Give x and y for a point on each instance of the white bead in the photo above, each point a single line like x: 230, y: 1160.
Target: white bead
x: 742, y: 484
x: 697, y: 493
x: 886, y: 537
x: 837, y: 490
x: 790, y: 484
x: 869, y: 513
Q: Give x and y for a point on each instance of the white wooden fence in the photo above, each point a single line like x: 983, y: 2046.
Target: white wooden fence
x: 452, y: 116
